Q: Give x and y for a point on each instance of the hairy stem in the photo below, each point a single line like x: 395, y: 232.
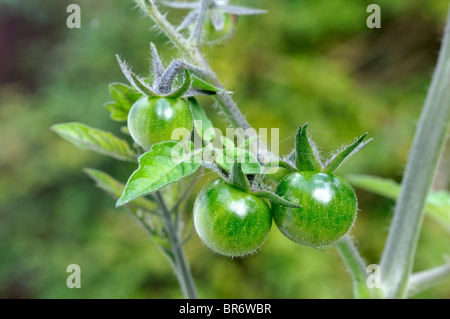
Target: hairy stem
x: 180, y: 263
x: 356, y: 266
x: 425, y: 279
x: 196, y: 57
x: 225, y: 102
x: 398, y: 256
x: 196, y: 36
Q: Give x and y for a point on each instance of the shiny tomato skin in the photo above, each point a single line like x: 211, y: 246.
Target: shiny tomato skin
x: 153, y: 119
x: 229, y: 221
x: 328, y: 211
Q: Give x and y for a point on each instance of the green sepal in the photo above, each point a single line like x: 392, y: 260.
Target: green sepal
x: 305, y: 157
x: 274, y: 198
x: 339, y: 158
x: 183, y: 88
x: 203, y: 86
x: 286, y: 165
x: 141, y: 86
x: 134, y: 79
x: 238, y: 179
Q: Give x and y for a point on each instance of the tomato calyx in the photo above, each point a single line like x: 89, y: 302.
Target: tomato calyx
x: 305, y: 156
x: 239, y: 180
x: 178, y: 80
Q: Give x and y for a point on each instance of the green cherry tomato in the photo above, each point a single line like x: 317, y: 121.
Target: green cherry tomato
x: 328, y: 209
x: 229, y: 221
x: 153, y: 119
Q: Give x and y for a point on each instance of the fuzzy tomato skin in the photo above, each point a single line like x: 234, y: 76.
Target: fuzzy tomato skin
x: 152, y: 119
x: 328, y: 210
x: 229, y: 221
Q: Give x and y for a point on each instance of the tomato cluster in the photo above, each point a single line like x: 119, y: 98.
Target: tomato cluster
x: 234, y: 222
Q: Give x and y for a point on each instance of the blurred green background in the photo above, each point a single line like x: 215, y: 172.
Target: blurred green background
x: 306, y: 61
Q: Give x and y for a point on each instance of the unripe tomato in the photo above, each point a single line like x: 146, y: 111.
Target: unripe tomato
x: 152, y: 119
x: 328, y: 209
x: 230, y: 221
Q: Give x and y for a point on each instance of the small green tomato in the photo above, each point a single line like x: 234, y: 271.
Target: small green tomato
x: 153, y: 119
x: 328, y: 210
x: 230, y: 221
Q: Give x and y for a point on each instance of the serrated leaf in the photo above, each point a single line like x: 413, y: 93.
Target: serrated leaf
x: 227, y: 156
x: 201, y: 120
x: 305, y: 157
x: 124, y: 94
x: 437, y: 204
x: 124, y: 97
x: 99, y: 141
x: 238, y: 179
x: 158, y: 168
x: 114, y: 188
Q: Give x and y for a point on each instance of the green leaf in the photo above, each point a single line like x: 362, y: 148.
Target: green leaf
x: 124, y: 97
x: 437, y: 204
x: 227, y: 156
x: 339, y: 158
x: 114, y: 188
x: 157, y: 168
x: 305, y: 157
x: 201, y: 120
x: 203, y: 86
x: 238, y: 178
x: 274, y: 198
x: 88, y: 138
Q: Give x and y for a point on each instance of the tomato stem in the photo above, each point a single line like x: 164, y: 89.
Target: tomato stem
x: 179, y: 262
x: 428, y: 144
x: 356, y: 266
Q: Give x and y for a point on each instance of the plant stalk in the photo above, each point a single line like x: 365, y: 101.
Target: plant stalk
x: 228, y: 107
x: 398, y: 256
x: 180, y: 263
x: 425, y: 279
x: 356, y: 266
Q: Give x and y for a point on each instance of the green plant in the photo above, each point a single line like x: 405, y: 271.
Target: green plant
x: 155, y: 193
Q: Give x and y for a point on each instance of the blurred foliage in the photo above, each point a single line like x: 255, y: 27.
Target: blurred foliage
x: 306, y: 61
